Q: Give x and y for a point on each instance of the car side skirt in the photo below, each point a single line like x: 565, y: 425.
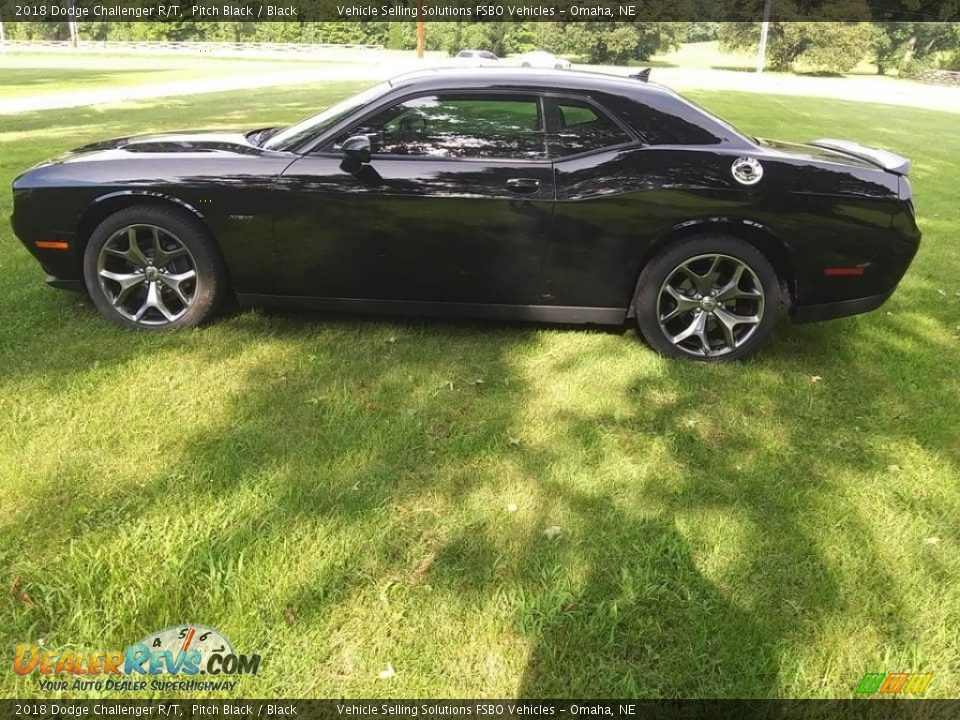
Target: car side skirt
x: 828, y: 311
x: 527, y: 313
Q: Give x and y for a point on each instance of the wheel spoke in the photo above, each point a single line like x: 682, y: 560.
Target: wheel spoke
x: 697, y: 328
x: 684, y: 304
x: 731, y: 320
x: 702, y: 334
x: 704, y: 283
x: 697, y: 280
x: 134, y: 254
x: 733, y: 291
x: 727, y: 329
x: 154, y: 300
x: 162, y: 257
x: 126, y: 281
x: 161, y: 305
x: 174, y: 282
x: 138, y: 315
x: 711, y: 275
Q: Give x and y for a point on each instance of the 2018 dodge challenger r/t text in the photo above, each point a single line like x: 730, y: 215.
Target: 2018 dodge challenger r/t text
x: 506, y: 193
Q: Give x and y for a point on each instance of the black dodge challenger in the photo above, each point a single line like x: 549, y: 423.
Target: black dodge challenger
x: 534, y: 195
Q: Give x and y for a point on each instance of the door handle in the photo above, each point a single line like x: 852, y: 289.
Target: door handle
x: 523, y: 185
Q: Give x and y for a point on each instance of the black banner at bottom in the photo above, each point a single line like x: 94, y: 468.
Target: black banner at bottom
x: 892, y: 709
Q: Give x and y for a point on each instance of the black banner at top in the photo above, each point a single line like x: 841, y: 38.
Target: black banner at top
x: 478, y: 10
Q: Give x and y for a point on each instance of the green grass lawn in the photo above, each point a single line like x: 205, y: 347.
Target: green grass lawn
x: 22, y: 75
x: 21, y: 82
x: 342, y: 494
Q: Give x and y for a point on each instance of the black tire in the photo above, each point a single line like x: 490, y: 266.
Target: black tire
x: 191, y: 303
x: 717, y: 341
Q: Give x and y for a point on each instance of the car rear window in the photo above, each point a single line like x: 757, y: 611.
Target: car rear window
x: 658, y: 127
x: 577, y: 127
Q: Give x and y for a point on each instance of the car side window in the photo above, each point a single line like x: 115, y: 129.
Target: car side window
x: 577, y: 127
x: 457, y: 126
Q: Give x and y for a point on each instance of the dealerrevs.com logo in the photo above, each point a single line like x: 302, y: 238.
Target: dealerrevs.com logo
x: 183, y: 657
x: 893, y: 684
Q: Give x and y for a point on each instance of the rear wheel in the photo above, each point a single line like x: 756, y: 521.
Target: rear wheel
x: 153, y: 268
x: 708, y: 298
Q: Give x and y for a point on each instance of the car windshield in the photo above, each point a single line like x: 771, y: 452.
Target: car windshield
x: 315, y: 124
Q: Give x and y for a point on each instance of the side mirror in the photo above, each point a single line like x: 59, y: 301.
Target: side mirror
x: 357, y: 149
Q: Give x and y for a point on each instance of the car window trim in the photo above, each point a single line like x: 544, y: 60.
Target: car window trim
x: 330, y: 134
x: 635, y: 140
x: 310, y: 147
x: 470, y: 91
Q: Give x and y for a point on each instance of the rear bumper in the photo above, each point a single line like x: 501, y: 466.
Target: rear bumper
x: 828, y: 311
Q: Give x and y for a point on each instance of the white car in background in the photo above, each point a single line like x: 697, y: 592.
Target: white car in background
x: 542, y: 59
x: 476, y: 58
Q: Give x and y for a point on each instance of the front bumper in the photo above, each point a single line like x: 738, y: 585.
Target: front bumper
x: 66, y: 284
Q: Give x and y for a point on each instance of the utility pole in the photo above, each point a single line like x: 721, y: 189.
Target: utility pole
x: 764, y: 30
x: 421, y: 31
x: 72, y: 24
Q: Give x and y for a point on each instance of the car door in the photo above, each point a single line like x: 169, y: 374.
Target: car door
x: 453, y: 207
x: 592, y: 256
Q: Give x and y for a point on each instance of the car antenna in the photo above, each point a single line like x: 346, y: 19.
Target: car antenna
x: 642, y: 76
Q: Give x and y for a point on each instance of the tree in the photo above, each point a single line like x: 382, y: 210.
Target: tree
x: 887, y: 44
x: 702, y: 31
x: 501, y: 38
x: 611, y: 42
x: 822, y: 47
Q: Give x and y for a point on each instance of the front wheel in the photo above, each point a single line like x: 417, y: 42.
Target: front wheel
x: 708, y: 298
x: 153, y: 268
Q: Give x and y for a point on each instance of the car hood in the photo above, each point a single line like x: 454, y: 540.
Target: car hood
x: 196, y: 141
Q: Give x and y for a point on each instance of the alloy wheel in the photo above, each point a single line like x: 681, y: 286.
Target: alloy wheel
x: 147, y: 274
x: 710, y: 305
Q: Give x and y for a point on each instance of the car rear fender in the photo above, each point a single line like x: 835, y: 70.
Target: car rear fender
x: 757, y: 234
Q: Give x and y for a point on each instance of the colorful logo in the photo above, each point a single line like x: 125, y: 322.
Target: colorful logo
x: 184, y: 651
x: 902, y: 683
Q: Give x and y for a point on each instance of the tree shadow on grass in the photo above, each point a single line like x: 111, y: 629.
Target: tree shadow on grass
x: 343, y: 494
x: 804, y: 546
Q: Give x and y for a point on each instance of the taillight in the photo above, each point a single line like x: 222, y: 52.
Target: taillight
x: 906, y: 192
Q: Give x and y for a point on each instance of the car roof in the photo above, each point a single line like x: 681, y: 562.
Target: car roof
x: 512, y: 77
